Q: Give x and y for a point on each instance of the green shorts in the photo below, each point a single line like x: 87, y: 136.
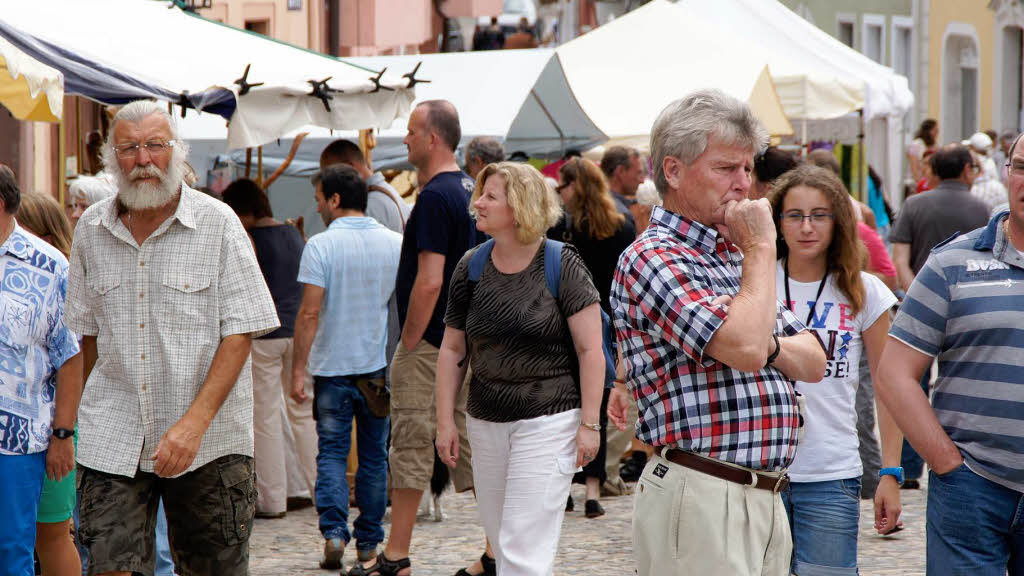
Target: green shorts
x: 57, y: 502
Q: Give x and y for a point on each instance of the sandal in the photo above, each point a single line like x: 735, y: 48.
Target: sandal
x: 489, y: 564
x: 382, y: 567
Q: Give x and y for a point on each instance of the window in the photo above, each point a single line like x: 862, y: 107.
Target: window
x: 846, y: 33
x: 873, y: 37
x: 1013, y: 61
x: 258, y: 26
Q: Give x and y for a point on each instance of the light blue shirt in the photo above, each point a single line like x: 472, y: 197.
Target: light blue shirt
x: 34, y: 341
x: 355, y: 261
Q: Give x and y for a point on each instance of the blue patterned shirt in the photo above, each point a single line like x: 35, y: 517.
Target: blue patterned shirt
x: 34, y: 341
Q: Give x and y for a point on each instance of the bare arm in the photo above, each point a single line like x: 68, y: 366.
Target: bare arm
x: 901, y: 259
x: 889, y: 281
x: 887, y: 495
x: 60, y: 457
x: 744, y: 340
x: 425, y: 291
x: 585, y: 327
x: 88, y: 357
x: 179, y: 445
x: 305, y: 331
x: 449, y: 381
x: 800, y: 357
x: 898, y: 387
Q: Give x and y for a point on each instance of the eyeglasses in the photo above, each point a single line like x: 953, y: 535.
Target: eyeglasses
x: 796, y: 218
x: 154, y: 147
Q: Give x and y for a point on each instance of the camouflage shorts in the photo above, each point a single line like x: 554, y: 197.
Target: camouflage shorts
x: 209, y: 517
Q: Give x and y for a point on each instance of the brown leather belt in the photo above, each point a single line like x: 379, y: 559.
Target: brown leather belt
x: 725, y: 472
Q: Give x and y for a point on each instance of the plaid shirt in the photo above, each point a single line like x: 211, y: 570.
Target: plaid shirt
x: 664, y: 320
x: 159, y: 312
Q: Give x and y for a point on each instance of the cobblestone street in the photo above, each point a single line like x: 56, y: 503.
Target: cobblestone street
x: 598, y: 547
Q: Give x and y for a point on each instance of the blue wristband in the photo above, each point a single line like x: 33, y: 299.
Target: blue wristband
x: 896, y: 472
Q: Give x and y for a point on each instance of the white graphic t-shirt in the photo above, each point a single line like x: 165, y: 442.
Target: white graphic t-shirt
x: 828, y: 450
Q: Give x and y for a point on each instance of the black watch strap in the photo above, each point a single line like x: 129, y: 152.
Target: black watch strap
x: 775, y: 354
x: 63, y: 433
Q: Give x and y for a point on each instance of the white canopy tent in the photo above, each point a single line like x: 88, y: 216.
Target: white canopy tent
x: 265, y: 87
x: 823, y: 84
x: 29, y: 89
x: 625, y: 72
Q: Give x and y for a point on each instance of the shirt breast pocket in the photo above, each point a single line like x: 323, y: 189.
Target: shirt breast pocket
x: 107, y: 288
x: 185, y: 301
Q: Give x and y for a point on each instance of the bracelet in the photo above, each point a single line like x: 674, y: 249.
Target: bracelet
x: 774, y: 355
x: 594, y: 427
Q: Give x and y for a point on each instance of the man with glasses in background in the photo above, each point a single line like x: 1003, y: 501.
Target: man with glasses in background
x: 166, y: 291
x: 924, y: 221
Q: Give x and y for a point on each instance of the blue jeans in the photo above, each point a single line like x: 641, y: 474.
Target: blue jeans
x: 21, y: 483
x: 912, y: 463
x: 337, y: 402
x: 823, y: 518
x: 975, y: 526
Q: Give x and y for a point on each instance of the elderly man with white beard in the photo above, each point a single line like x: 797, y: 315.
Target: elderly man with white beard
x: 167, y: 294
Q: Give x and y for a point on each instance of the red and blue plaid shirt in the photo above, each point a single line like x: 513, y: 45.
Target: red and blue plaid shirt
x: 664, y: 319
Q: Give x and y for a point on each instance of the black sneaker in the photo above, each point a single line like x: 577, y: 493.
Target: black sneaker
x: 569, y: 506
x: 634, y: 467
x: 593, y: 509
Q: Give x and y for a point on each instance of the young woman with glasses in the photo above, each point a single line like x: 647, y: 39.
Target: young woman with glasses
x: 820, y: 279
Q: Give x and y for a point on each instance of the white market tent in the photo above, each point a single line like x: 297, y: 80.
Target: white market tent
x: 29, y: 89
x: 163, y: 52
x: 625, y: 72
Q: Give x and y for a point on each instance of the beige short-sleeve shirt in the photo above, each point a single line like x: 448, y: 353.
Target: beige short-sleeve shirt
x: 159, y: 312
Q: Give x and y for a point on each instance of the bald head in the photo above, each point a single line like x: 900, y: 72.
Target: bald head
x: 443, y: 120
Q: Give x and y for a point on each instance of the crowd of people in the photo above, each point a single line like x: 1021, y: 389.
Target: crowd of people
x: 173, y: 365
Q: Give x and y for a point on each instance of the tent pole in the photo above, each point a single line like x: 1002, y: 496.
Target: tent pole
x: 78, y: 134
x: 248, y: 163
x: 61, y: 166
x: 803, y: 137
x: 259, y: 165
x: 860, y: 157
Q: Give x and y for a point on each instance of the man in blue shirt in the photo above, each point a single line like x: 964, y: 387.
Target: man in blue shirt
x: 348, y: 272
x: 438, y: 233
x: 40, y: 379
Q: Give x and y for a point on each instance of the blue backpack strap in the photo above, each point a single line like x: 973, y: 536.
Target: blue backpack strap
x: 478, y: 260
x: 553, y: 265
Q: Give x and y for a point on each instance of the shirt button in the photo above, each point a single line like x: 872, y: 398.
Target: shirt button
x: 143, y: 357
x: 186, y: 286
x: 143, y: 387
x: 141, y: 294
x: 143, y: 325
x: 142, y: 263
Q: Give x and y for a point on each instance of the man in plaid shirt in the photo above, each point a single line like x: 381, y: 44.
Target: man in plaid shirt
x: 710, y: 352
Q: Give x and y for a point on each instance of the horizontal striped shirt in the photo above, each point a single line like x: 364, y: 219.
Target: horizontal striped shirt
x: 966, y: 307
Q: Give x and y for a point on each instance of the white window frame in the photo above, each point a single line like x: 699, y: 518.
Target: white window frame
x: 847, y: 18
x: 904, y: 23
x: 873, y: 20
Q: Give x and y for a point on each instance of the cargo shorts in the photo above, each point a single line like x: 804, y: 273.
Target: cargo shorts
x: 414, y: 421
x: 209, y: 517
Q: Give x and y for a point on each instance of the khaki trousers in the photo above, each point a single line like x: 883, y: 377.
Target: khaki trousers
x: 687, y: 522
x: 276, y: 417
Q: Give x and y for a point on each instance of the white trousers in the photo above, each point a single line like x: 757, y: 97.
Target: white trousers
x: 522, y: 471
x: 284, y: 432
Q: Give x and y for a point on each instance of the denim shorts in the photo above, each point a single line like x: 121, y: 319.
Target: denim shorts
x: 975, y: 526
x: 824, y: 518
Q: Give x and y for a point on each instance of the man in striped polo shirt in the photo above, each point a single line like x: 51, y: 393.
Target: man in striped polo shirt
x: 964, y: 308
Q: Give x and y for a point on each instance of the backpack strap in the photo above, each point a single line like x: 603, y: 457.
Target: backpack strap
x: 477, y: 262
x: 553, y: 265
x: 382, y: 190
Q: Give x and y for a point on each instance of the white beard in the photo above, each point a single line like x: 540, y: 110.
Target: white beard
x: 135, y: 194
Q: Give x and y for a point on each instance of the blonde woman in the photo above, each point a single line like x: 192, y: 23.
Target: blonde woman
x: 42, y: 216
x: 534, y: 345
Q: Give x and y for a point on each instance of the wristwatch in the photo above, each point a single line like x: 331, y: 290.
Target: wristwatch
x: 594, y: 427
x: 896, y: 472
x: 63, y: 433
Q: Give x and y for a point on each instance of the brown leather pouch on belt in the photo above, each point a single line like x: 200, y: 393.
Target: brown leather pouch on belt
x: 377, y: 395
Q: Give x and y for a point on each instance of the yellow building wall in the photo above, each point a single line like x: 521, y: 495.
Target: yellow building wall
x: 977, y: 14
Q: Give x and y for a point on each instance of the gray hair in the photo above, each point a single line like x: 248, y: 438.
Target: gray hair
x: 685, y: 126
x: 486, y: 149
x: 135, y: 112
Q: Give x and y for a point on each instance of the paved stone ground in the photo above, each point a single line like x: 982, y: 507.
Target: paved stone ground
x: 599, y: 547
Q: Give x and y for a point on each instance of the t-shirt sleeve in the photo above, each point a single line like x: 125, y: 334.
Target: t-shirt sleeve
x: 878, y: 299
x: 311, y: 266
x: 458, y: 294
x: 674, y: 302
x: 246, y: 306
x: 921, y: 321
x: 576, y: 288
x: 434, y: 216
x: 878, y: 257
x: 902, y: 228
